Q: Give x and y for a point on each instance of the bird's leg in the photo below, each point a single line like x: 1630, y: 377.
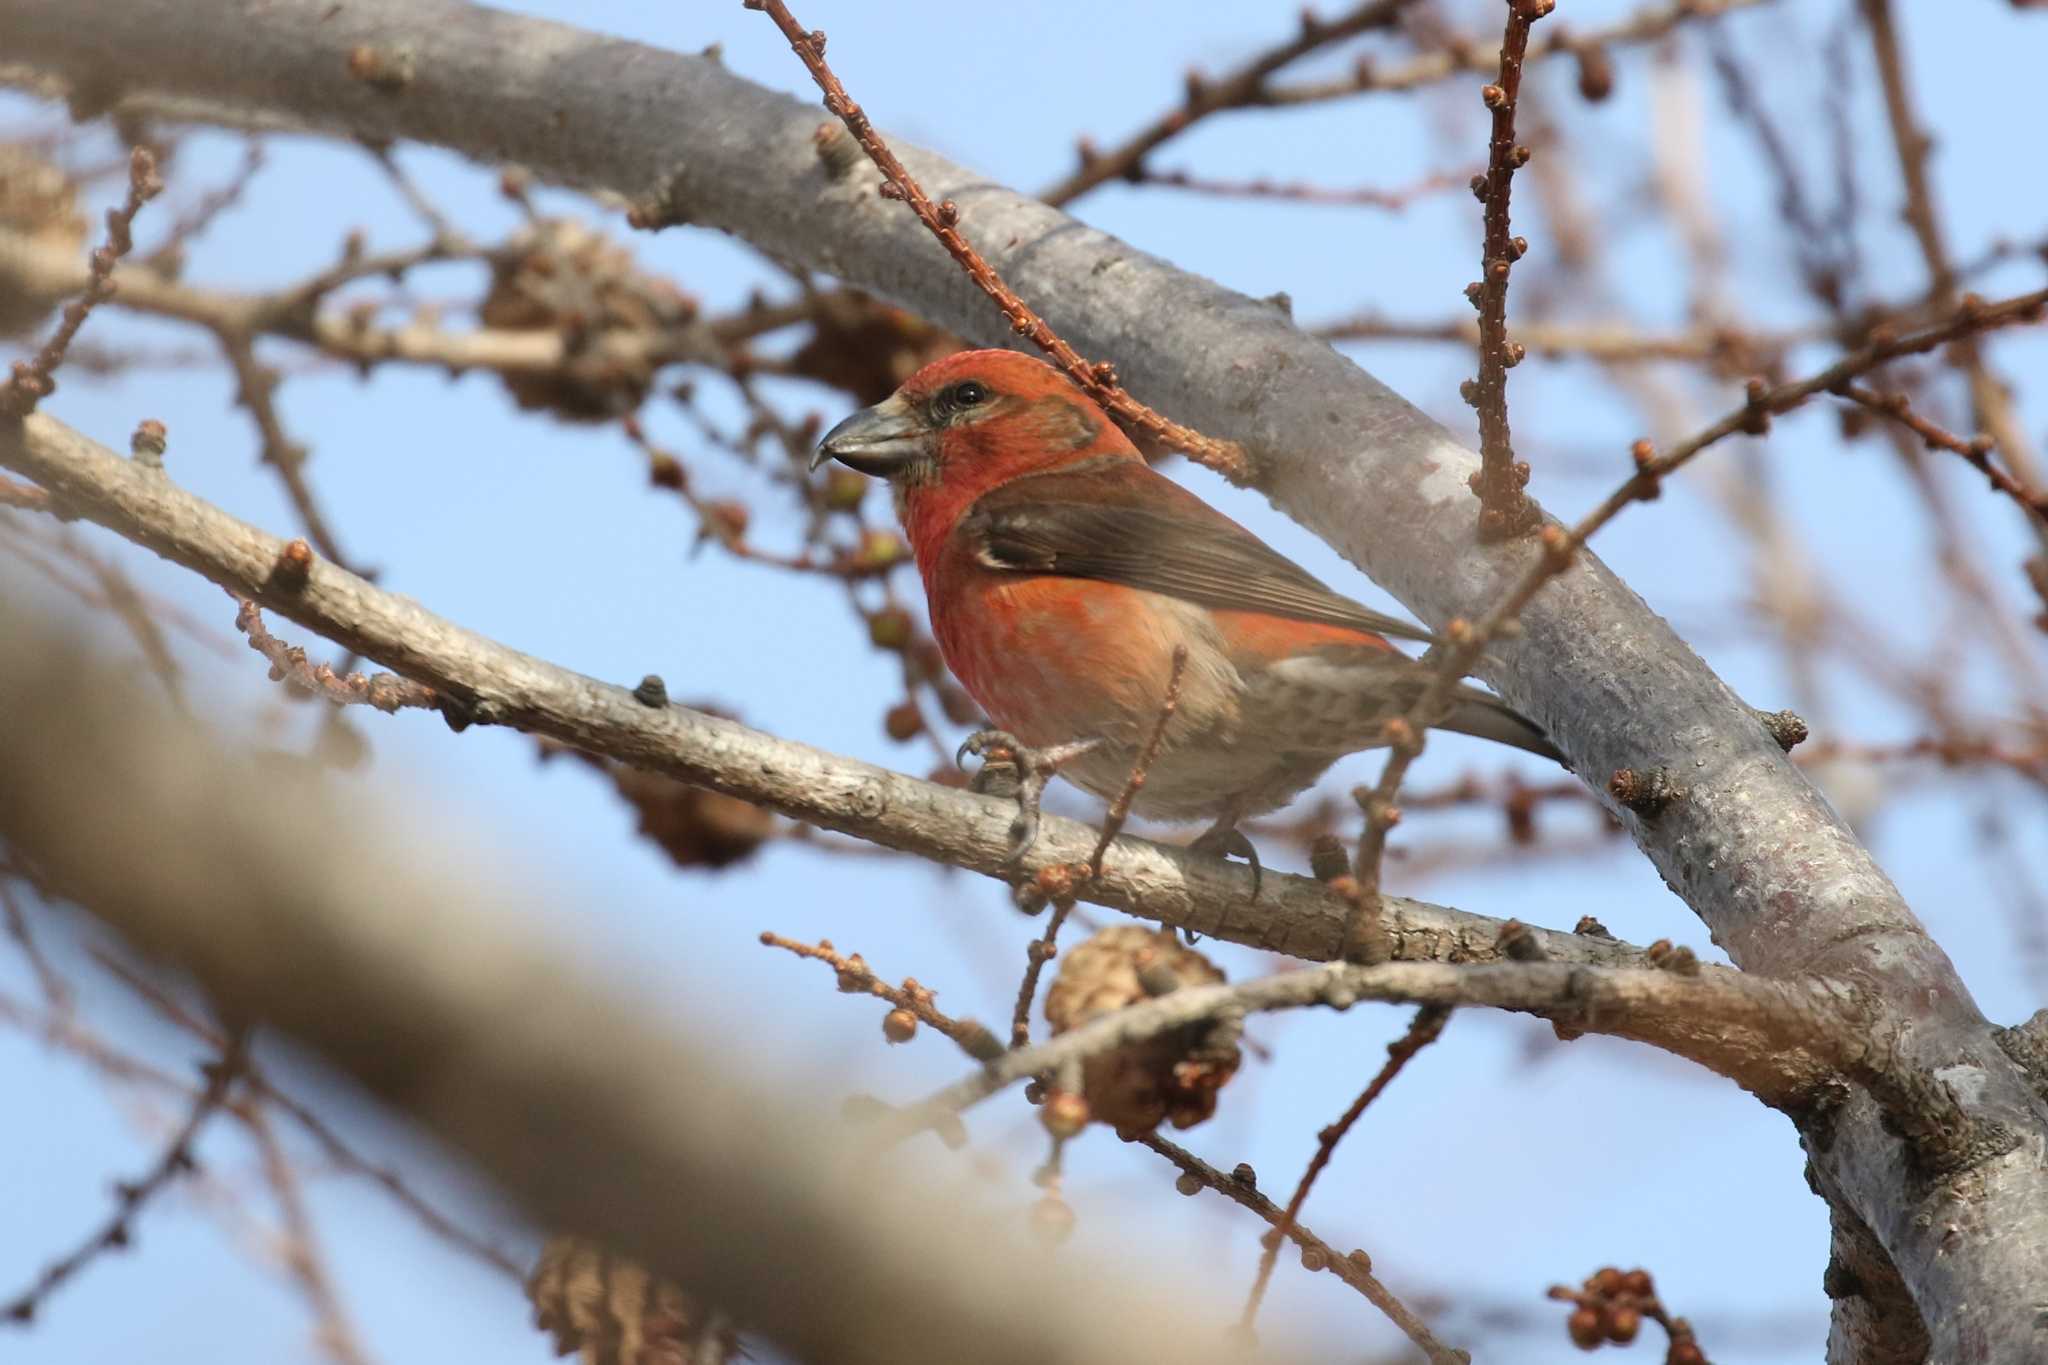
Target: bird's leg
x: 1011, y: 768
x: 1224, y: 838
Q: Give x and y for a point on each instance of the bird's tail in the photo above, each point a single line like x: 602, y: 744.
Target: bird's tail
x: 1488, y: 717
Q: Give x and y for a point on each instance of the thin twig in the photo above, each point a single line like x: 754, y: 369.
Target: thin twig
x: 1465, y: 640
x: 130, y: 1197
x: 1355, y: 1269
x: 1239, y: 88
x: 1297, y: 192
x: 856, y: 976
x: 1988, y: 395
x: 1976, y: 449
x: 1057, y: 883
x: 1426, y: 1028
x: 1505, y: 509
x: 34, y: 379
x: 300, y: 1247
x: 332, y: 1145
x: 1098, y: 379
x: 387, y: 692
x: 1468, y: 55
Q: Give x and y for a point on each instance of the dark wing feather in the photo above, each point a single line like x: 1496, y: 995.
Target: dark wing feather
x: 1117, y: 521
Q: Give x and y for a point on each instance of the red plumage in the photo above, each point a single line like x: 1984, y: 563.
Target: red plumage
x: 1062, y: 572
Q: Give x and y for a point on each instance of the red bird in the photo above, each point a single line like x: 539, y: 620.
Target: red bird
x: 1062, y: 572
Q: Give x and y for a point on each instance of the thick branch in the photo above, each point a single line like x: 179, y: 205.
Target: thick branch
x: 486, y: 682
x: 424, y: 982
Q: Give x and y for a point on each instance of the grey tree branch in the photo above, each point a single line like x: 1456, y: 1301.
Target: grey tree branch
x: 1782, y: 1041
x: 422, y: 980
x: 490, y: 683
x: 1785, y: 887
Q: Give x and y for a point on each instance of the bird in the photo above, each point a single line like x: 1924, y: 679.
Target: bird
x: 1063, y: 574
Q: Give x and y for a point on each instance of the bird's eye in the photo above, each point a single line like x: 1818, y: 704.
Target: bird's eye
x: 966, y: 394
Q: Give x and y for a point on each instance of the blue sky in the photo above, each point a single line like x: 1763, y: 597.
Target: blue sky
x: 1501, y: 1162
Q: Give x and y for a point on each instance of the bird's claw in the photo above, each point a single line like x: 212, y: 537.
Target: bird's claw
x: 1222, y: 840
x: 1011, y: 768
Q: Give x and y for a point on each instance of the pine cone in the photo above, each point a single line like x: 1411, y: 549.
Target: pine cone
x: 615, y: 1313
x: 1174, y: 1075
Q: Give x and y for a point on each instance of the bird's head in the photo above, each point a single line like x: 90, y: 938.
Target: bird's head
x: 971, y: 421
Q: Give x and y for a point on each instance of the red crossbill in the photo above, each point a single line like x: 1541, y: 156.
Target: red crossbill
x: 1062, y: 573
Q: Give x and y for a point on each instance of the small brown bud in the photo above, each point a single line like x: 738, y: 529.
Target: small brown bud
x: 1585, y: 1328
x: 727, y: 520
x: 1596, y: 73
x: 1520, y: 156
x: 844, y: 490
x: 1360, y: 1259
x: 1327, y: 859
x: 949, y: 213
x: 1492, y: 96
x: 879, y: 550
x: 890, y: 628
x: 1188, y: 1184
x: 1243, y: 1174
x: 1606, y: 1281
x: 148, y: 443
x: 903, y: 721
x: 664, y: 471
x: 1558, y: 547
x: 1637, y: 1282
x: 294, y: 564
x: 1064, y: 1114
x: 899, y: 1026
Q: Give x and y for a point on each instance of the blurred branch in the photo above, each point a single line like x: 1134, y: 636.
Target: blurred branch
x: 1471, y: 56
x: 131, y: 1196
x: 278, y: 894
x: 1243, y: 86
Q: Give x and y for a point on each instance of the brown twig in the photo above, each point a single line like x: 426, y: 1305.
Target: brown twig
x: 300, y: 1247
x: 201, y: 215
x: 1505, y: 509
x: 1057, y: 883
x: 288, y: 664
x: 56, y: 991
x: 1240, y: 1187
x: 256, y: 390
x: 1427, y: 1027
x: 14, y: 493
x: 1098, y: 379
x: 333, y: 1146
x: 1465, y: 640
x: 1987, y: 394
x: 34, y: 379
x: 1976, y: 449
x: 1240, y: 88
x: 1468, y: 55
x: 855, y: 976
x: 130, y: 1197
x: 1297, y: 192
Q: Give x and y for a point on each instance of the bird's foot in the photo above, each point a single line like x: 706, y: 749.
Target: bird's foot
x: 1223, y: 839
x: 1011, y: 768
